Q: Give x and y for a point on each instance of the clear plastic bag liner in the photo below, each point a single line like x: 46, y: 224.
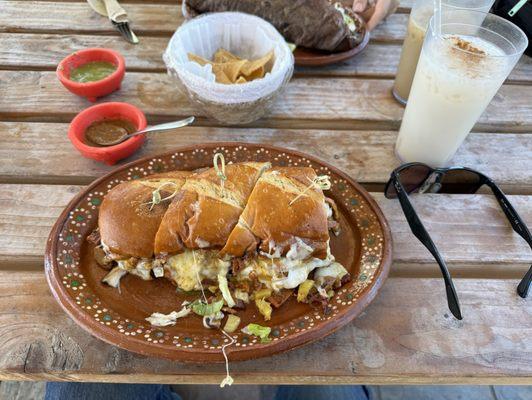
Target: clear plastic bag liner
x: 242, y: 34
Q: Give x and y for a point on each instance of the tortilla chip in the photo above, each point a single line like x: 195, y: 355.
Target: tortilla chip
x: 197, y: 59
x: 221, y: 77
x: 223, y: 56
x: 231, y: 69
x: 257, y: 74
x: 263, y: 62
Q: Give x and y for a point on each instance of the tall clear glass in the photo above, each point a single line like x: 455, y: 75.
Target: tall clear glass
x: 458, y: 74
x: 422, y: 11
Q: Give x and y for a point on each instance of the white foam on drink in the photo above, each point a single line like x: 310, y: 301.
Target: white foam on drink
x: 483, y: 61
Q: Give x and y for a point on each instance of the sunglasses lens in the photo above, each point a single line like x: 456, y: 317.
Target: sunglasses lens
x: 411, y: 178
x: 460, y: 181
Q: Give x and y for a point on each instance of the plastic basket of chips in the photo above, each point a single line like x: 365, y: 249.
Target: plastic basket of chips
x: 230, y: 65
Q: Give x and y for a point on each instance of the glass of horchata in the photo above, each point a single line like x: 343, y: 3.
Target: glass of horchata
x: 422, y: 11
x: 463, y: 63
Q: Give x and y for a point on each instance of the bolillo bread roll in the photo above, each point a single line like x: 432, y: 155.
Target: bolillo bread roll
x: 204, y: 213
x: 275, y: 218
x: 126, y: 224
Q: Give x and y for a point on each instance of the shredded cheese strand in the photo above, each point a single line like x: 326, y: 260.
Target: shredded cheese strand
x: 228, y: 379
x: 198, y: 277
x: 220, y: 170
x: 322, y: 182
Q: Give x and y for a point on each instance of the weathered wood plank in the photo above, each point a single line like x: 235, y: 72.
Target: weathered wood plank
x: 62, y: 17
x: 471, y: 231
x: 44, y: 51
x: 41, y: 51
x: 39, y: 206
x: 306, y: 102
x: 147, y: 19
x: 381, y: 60
x: 406, y: 335
x: 29, y: 152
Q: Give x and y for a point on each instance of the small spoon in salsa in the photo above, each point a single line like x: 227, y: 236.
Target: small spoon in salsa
x: 114, y: 131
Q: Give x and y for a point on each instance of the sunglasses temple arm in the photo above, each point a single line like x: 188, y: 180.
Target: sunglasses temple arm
x: 519, y: 227
x: 524, y: 285
x: 421, y: 233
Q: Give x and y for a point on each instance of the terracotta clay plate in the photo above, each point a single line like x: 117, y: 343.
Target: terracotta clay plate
x: 317, y: 58
x: 363, y: 247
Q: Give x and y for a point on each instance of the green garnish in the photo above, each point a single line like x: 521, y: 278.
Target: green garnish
x: 205, y: 309
x: 260, y: 331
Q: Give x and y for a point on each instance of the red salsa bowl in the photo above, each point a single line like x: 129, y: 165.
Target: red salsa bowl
x: 92, y: 90
x: 106, y: 111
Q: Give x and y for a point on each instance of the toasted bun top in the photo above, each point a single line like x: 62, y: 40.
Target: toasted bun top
x: 126, y: 222
x: 203, y: 214
x: 282, y: 207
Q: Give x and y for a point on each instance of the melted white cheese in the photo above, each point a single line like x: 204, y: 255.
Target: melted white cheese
x: 186, y: 267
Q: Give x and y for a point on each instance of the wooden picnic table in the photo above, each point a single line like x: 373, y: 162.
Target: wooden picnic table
x: 344, y: 114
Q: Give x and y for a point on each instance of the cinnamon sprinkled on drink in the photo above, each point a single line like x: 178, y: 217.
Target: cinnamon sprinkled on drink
x: 466, y: 46
x: 471, y: 60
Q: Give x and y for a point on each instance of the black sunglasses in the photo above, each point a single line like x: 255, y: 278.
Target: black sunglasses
x: 418, y: 177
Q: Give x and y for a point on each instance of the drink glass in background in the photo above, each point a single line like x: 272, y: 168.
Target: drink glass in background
x: 458, y: 74
x: 422, y: 11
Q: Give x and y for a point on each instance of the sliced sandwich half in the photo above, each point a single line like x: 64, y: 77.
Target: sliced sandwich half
x: 128, y: 221
x: 282, y: 237
x: 198, y: 223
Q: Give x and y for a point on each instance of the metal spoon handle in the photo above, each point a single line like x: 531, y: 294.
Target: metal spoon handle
x: 164, y: 127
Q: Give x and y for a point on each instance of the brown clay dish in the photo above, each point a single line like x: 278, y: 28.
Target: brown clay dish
x: 317, y: 58
x: 364, y: 247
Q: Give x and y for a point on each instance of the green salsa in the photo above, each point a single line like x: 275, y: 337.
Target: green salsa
x: 92, y: 71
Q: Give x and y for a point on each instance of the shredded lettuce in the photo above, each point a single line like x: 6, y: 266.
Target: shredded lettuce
x: 224, y: 287
x: 260, y: 331
x: 335, y: 270
x: 159, y: 319
x: 206, y: 309
x: 241, y: 295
